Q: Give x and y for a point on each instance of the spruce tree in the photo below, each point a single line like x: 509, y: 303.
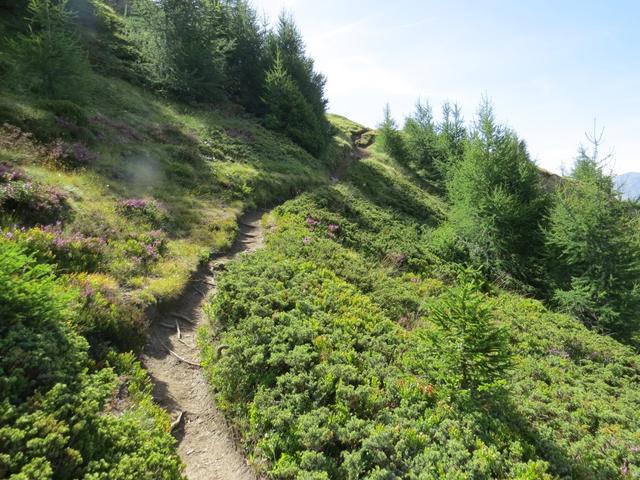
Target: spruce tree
x: 285, y: 45
x: 389, y: 135
x: 452, y: 135
x: 421, y: 142
x: 591, y: 250
x: 289, y: 112
x: 183, y: 44
x: 497, y: 201
x: 246, y: 60
x: 472, y: 349
x: 48, y: 59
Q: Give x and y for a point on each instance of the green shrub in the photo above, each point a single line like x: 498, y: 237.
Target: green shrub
x: 37, y: 347
x: 339, y: 366
x: 29, y: 201
x: 60, y: 417
x: 66, y: 109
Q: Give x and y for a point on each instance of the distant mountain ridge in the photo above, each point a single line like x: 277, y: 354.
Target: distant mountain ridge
x: 629, y: 184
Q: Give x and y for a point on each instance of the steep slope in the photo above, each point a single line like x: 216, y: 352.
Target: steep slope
x: 124, y: 198
x: 335, y: 367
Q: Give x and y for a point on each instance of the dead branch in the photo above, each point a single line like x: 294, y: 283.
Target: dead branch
x: 178, y: 329
x: 185, y: 343
x: 176, y: 422
x: 188, y: 362
x: 220, y: 350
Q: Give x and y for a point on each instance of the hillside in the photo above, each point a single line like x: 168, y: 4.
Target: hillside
x: 629, y: 184
x: 203, y: 274
x: 157, y: 191
x: 334, y: 366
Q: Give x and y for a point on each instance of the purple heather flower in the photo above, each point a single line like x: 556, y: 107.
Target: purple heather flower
x: 312, y: 223
x: 87, y: 291
x: 151, y: 251
x: 9, y: 235
x: 83, y: 155
x: 59, y: 242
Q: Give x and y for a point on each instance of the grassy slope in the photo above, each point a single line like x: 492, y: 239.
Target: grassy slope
x: 203, y: 166
x: 194, y: 168
x: 330, y: 371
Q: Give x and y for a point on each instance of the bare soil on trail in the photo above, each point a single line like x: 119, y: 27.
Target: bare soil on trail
x: 205, y: 442
x: 356, y: 153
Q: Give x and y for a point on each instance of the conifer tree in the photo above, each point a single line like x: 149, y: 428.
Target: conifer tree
x: 389, y: 135
x: 183, y: 44
x: 474, y: 350
x: 594, y: 260
x: 48, y: 58
x: 421, y: 142
x: 289, y: 112
x: 497, y: 200
x: 286, y: 46
x: 452, y: 135
x: 246, y: 60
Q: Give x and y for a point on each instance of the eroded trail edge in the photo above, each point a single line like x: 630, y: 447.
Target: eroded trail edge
x: 205, y: 442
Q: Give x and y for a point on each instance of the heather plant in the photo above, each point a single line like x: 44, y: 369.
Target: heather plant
x: 29, y: 201
x: 70, y: 155
x: 104, y: 316
x: 145, y: 209
x: 66, y: 251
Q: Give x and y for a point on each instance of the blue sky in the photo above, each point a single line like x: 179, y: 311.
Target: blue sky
x: 550, y: 67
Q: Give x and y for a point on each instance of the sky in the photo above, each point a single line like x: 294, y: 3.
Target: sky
x: 550, y: 68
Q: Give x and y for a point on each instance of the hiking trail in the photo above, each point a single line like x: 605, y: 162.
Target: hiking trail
x: 205, y: 441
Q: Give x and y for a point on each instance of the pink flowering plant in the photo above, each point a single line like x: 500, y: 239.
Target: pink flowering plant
x: 29, y: 201
x: 137, y: 253
x: 145, y: 209
x: 70, y: 155
x: 313, y: 224
x: 70, y: 251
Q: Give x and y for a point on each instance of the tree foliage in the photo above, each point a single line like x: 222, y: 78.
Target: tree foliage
x: 246, y: 60
x: 48, y: 59
x: 474, y: 349
x: 288, y: 111
x: 389, y: 135
x: 292, y: 74
x: 496, y: 199
x: 594, y: 260
x: 184, y: 45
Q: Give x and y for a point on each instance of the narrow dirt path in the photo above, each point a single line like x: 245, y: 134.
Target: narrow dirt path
x: 205, y: 443
x: 356, y: 153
